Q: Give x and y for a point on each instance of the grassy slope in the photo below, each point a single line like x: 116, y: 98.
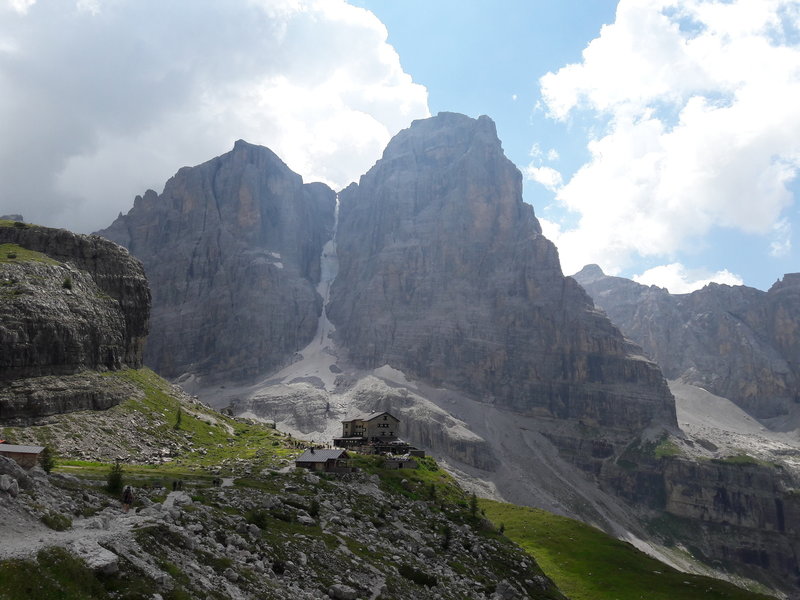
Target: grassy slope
x: 587, y: 564
x: 208, y: 442
x: 10, y: 253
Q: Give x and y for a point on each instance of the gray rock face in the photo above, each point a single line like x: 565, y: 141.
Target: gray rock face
x: 231, y: 248
x: 444, y: 274
x: 70, y: 306
x: 735, y: 341
x: 83, y: 305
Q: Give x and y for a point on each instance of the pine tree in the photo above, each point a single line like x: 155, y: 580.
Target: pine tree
x: 47, y: 459
x: 115, y: 477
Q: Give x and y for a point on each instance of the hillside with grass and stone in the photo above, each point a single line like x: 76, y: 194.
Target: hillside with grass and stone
x: 272, y: 531
x: 267, y: 532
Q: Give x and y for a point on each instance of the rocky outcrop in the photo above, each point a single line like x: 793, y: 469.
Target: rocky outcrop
x: 232, y: 249
x: 735, y: 341
x: 741, y: 514
x: 70, y: 305
x: 84, y: 304
x: 444, y: 274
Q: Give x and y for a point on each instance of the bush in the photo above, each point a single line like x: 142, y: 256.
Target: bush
x: 67, y: 284
x: 56, y: 521
x: 417, y: 576
x: 115, y: 478
x: 47, y: 459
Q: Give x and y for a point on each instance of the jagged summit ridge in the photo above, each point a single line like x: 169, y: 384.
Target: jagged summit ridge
x: 734, y: 341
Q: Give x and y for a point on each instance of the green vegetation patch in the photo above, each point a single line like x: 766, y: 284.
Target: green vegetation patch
x: 54, y: 574
x: 11, y: 253
x: 57, y: 521
x: 427, y: 482
x: 587, y: 564
x: 17, y: 224
x: 666, y: 447
x: 740, y: 460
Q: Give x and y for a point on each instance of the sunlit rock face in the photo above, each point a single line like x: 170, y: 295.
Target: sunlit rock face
x: 734, y: 341
x: 231, y: 248
x: 444, y: 274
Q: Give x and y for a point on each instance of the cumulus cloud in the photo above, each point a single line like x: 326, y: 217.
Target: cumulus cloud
x: 104, y: 99
x: 547, y: 176
x: 700, y: 127
x: 678, y: 280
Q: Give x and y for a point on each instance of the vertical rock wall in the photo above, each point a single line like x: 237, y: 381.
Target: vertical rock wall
x: 444, y: 273
x: 231, y: 248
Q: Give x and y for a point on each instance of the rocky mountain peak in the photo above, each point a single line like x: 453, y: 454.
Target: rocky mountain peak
x: 590, y: 273
x: 444, y: 274
x: 232, y: 250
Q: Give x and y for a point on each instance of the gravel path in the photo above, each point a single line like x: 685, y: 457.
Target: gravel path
x: 22, y: 536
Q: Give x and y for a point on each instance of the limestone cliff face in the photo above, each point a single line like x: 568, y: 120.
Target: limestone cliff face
x: 444, y: 274
x: 735, y: 341
x: 231, y: 248
x: 83, y: 304
x: 70, y: 306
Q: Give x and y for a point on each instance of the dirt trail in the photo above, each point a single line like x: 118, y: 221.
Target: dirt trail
x: 22, y: 536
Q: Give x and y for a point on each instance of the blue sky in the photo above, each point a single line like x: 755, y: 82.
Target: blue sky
x: 657, y: 138
x: 478, y: 58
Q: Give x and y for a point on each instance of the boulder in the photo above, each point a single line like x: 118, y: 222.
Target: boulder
x: 95, y: 556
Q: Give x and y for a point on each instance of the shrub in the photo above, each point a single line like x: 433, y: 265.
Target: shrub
x: 417, y: 576
x: 47, y: 459
x: 67, y: 284
x: 56, y: 521
x: 115, y: 478
x: 448, y: 534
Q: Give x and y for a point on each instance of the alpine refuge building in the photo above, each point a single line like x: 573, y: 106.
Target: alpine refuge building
x: 328, y: 461
x: 377, y: 427
x: 374, y: 434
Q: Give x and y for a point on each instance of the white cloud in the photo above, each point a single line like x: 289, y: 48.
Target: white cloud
x: 104, y: 99
x: 675, y: 278
x: 699, y: 100
x: 19, y: 6
x: 782, y: 242
x: 547, y: 176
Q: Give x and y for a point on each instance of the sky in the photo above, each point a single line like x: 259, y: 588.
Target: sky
x: 659, y: 139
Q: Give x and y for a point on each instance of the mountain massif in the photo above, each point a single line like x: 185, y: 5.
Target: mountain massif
x: 431, y: 292
x: 735, y: 341
x: 444, y: 274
